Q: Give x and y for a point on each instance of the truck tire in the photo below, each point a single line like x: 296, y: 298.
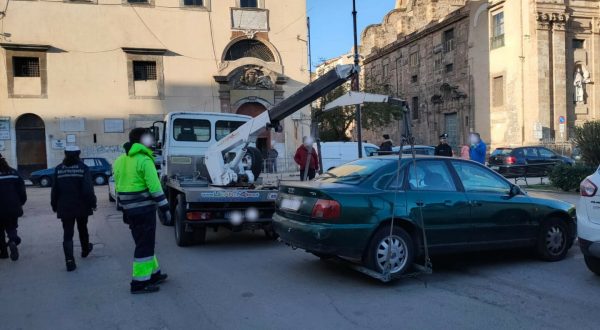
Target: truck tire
x: 182, y: 238
x: 257, y: 161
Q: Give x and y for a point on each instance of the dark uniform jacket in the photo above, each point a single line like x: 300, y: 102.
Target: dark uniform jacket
x: 443, y: 149
x: 72, y: 191
x: 12, y: 194
x: 386, y: 147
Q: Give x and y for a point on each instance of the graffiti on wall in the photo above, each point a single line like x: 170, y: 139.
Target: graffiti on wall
x: 101, y: 150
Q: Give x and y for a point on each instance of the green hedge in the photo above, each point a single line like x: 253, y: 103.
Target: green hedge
x: 567, y: 177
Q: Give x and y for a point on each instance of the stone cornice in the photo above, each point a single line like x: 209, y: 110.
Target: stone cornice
x: 555, y: 20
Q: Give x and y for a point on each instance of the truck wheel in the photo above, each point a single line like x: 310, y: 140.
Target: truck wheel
x: 182, y: 238
x: 593, y: 264
x: 256, y: 159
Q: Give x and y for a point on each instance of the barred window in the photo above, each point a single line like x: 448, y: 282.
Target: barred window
x: 449, y: 40
x: 144, y: 70
x: 26, y: 66
x: 197, y: 3
x: 249, y: 48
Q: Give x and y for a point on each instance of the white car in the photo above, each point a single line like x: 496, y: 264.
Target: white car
x: 588, y: 221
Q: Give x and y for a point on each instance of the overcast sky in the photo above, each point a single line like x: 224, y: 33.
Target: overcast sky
x: 331, y: 24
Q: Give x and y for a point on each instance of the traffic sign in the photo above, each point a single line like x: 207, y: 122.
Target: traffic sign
x: 562, y: 119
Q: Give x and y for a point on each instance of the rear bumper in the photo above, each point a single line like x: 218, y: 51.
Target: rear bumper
x: 589, y: 248
x: 341, y: 240
x: 245, y: 225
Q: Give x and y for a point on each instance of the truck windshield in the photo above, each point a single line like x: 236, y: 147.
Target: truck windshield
x: 224, y: 127
x: 191, y: 130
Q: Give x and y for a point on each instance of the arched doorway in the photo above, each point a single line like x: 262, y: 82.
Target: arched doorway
x: 31, y: 144
x: 253, y: 109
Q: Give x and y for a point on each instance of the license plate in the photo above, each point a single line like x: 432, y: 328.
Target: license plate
x: 290, y: 204
x: 495, y: 168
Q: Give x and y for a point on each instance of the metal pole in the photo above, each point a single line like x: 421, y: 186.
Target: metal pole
x: 355, y: 83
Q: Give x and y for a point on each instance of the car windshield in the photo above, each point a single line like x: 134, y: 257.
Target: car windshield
x: 356, y: 171
x: 502, y: 152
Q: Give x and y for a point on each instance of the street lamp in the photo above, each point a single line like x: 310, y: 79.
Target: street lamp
x: 355, y: 82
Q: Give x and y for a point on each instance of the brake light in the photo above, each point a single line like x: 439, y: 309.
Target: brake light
x: 511, y: 160
x: 326, y: 209
x: 587, y: 188
x: 199, y: 216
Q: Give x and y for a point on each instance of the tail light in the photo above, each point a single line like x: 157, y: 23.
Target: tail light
x: 587, y: 188
x: 510, y: 160
x: 326, y: 209
x: 199, y: 216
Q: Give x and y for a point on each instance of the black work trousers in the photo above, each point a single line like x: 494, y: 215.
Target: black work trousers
x: 143, y: 230
x: 8, y: 226
x: 69, y: 230
x: 311, y: 174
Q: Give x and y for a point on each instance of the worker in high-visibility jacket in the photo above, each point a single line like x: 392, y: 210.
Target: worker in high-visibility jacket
x: 139, y: 193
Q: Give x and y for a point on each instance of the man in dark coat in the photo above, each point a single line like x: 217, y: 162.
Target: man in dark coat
x: 304, y: 157
x: 443, y: 149
x: 73, y: 200
x: 386, y: 147
x: 13, y: 197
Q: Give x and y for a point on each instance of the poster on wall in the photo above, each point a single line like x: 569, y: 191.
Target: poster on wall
x: 58, y: 144
x: 114, y: 125
x: 4, y: 128
x: 72, y: 124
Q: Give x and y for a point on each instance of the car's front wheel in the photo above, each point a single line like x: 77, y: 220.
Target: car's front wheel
x: 100, y: 180
x: 45, y: 182
x: 553, y: 240
x: 390, y: 253
x: 593, y: 264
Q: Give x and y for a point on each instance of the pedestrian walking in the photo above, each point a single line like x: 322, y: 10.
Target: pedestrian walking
x: 139, y: 192
x: 478, y: 148
x: 272, y: 155
x: 443, y: 149
x: 73, y: 200
x: 12, y: 198
x: 464, y: 152
x: 386, y: 146
x: 305, y: 156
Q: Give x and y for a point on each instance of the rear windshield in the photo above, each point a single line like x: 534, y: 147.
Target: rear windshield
x: 191, y: 130
x: 224, y: 127
x: 502, y: 152
x: 356, y: 171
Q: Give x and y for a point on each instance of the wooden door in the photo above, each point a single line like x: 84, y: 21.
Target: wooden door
x: 31, y: 144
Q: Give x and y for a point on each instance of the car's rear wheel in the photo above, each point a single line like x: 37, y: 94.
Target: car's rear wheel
x: 100, y: 180
x: 553, y: 240
x: 45, y: 181
x: 593, y: 264
x: 394, y: 253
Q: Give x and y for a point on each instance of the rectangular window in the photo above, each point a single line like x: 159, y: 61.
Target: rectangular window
x: 386, y: 71
x: 26, y: 66
x: 414, y: 79
x: 248, y: 3
x: 415, y: 108
x: 193, y: 3
x: 144, y: 70
x: 191, y: 130
x: 498, y: 30
x: 448, y: 40
x: 449, y: 67
x: 578, y: 44
x: 498, y: 91
x: 414, y: 59
x: 224, y: 127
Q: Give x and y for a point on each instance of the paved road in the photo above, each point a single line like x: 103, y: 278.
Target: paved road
x: 242, y: 281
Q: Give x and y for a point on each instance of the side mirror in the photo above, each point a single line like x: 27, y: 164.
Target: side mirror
x: 514, y: 190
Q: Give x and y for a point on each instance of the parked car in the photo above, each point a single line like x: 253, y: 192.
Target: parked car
x: 465, y: 207
x: 100, y: 170
x: 337, y: 153
x: 526, y: 161
x: 419, y: 150
x: 588, y: 221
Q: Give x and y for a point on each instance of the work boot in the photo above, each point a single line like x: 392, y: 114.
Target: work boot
x: 70, y: 260
x: 86, y: 251
x: 14, y: 252
x: 158, y: 278
x: 143, y: 287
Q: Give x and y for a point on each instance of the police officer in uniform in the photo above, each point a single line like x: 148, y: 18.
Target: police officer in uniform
x: 139, y: 192
x: 73, y: 199
x: 12, y: 198
x: 443, y: 149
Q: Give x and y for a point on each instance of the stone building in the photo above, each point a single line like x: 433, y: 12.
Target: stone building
x: 431, y: 53
x: 86, y: 72
x: 544, y: 62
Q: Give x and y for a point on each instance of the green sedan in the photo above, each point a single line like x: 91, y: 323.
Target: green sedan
x: 463, y: 205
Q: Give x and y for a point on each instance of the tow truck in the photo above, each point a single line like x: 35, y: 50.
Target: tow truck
x: 210, y: 168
